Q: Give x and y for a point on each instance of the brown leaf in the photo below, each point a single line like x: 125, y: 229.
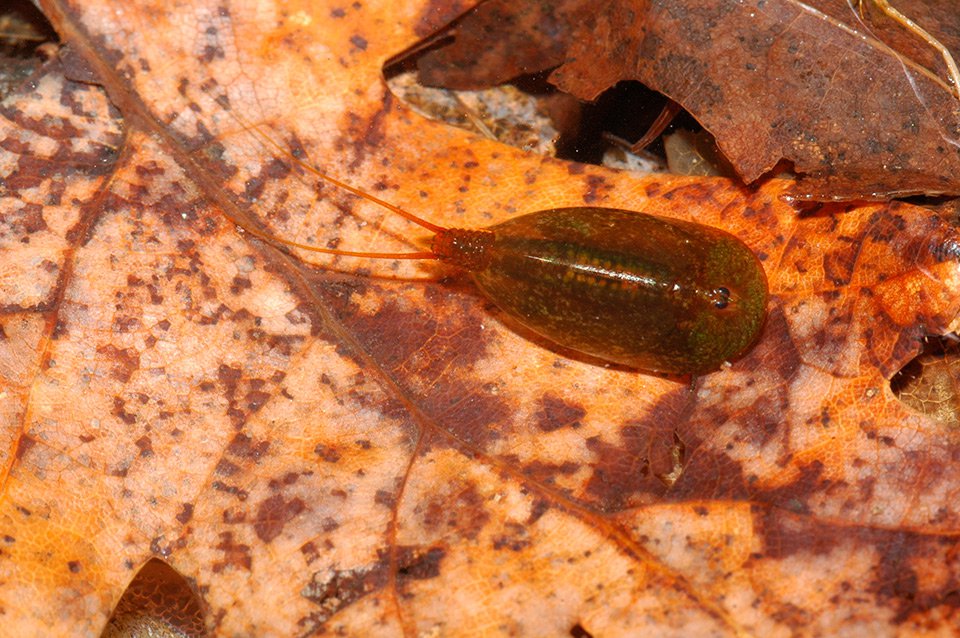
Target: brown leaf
x: 861, y: 113
x: 369, y: 447
x: 499, y: 41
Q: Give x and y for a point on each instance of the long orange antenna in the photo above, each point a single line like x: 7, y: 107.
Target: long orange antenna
x: 334, y: 251
x: 336, y: 182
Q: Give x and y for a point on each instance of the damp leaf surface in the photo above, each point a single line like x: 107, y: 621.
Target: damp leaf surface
x: 359, y: 447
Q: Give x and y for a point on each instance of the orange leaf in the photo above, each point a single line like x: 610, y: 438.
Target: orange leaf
x: 370, y: 447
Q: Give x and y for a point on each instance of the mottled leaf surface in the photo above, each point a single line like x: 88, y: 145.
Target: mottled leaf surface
x: 370, y: 448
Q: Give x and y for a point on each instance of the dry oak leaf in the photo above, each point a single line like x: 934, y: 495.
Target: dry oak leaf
x: 860, y: 106
x: 370, y: 448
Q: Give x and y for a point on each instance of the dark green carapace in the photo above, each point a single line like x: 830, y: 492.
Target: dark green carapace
x: 649, y: 292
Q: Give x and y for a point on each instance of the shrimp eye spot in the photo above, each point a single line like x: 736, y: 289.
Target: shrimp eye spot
x: 721, y: 298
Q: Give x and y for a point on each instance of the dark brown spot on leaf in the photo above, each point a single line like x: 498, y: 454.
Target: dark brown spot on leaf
x: 415, y: 564
x: 23, y: 446
x: 226, y: 468
x: 385, y: 498
x: 556, y: 413
x: 185, y: 514
x: 333, y: 590
x: 120, y: 411
x: 458, y: 508
x: 514, y: 538
x: 245, y: 447
x: 628, y: 470
x: 326, y: 453
x: 273, y: 513
x: 146, y: 447
x: 234, y: 554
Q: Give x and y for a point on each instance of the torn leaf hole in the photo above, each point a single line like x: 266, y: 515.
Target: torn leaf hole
x: 26, y: 40
x: 930, y: 383
x: 530, y: 113
x: 159, y: 601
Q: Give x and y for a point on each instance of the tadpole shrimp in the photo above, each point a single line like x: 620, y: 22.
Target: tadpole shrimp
x: 649, y: 292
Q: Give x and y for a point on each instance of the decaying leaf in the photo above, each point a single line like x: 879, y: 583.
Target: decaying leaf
x: 369, y: 447
x: 861, y: 112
